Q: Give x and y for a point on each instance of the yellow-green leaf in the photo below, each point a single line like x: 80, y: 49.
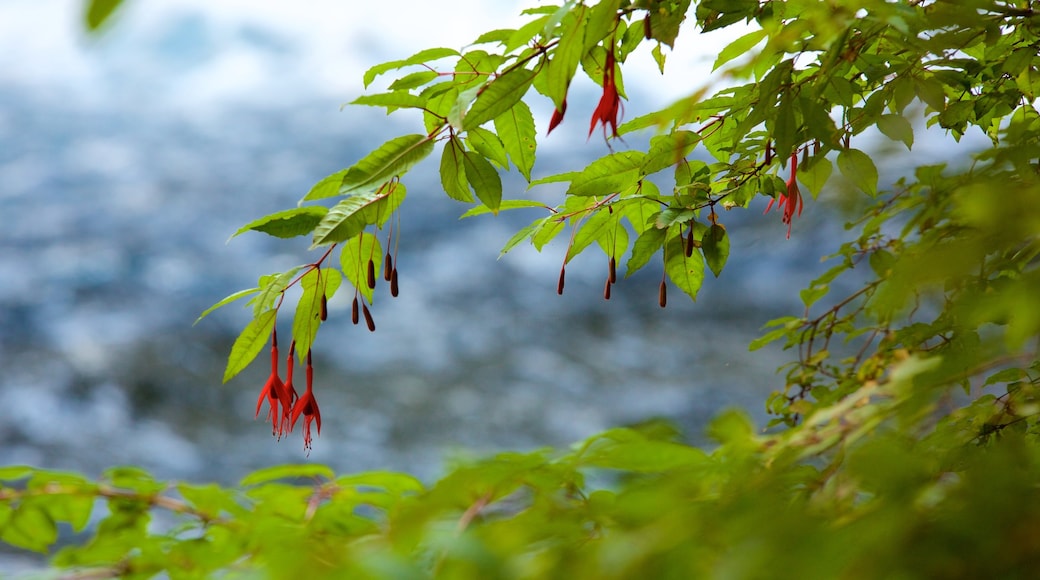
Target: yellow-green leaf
x: 249, y: 343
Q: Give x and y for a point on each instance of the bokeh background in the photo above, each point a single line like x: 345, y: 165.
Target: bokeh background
x: 128, y: 159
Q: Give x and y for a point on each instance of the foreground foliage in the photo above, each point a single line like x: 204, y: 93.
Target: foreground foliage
x: 904, y: 441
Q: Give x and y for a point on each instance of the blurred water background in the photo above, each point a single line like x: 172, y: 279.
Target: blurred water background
x: 127, y: 160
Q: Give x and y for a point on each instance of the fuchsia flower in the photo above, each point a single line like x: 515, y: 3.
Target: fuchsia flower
x: 290, y: 391
x: 307, y: 406
x: 557, y: 117
x: 275, y: 393
x: 607, y: 110
x: 792, y: 198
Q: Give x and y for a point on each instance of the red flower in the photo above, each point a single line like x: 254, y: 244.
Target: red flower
x: 275, y: 393
x: 607, y: 110
x: 290, y: 391
x: 557, y: 117
x: 308, y: 407
x: 792, y: 199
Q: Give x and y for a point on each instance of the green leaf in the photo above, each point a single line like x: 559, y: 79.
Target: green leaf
x: 673, y: 215
x: 815, y: 176
x: 290, y: 223
x: 352, y: 215
x: 392, y: 100
x: 859, y: 168
x: 715, y: 246
x: 812, y: 294
x: 896, y: 128
x: 462, y: 102
x: 609, y: 174
x: 601, y: 22
x: 629, y: 450
x: 521, y: 235
x: 931, y: 92
x: 421, y: 57
x: 270, y: 287
x: 516, y: 129
x: 565, y: 58
x: 99, y: 11
x: 668, y: 150
x: 30, y: 527
x: 499, y: 96
x: 686, y: 273
x: 327, y: 187
x: 391, y: 159
x: 666, y: 19
x: 645, y: 247
x: 591, y: 229
x: 353, y: 260
x: 453, y: 171
x: 308, y: 471
x: 413, y: 80
x: 15, y: 472
x: 506, y: 204
x: 489, y: 145
x: 228, y: 300
x: 738, y: 47
x: 307, y: 320
x: 249, y: 343
x: 486, y: 183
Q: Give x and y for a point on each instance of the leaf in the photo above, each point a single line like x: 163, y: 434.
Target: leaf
x: 224, y: 302
x: 392, y: 158
x: 413, y: 80
x: 453, y: 171
x: 421, y: 57
x: 499, y: 96
x: 715, y: 246
x: 673, y: 215
x: 738, y: 47
x: 30, y: 527
x: 815, y: 176
x: 565, y: 58
x: 516, y: 129
x: 249, y: 343
x: 308, y: 471
x: 484, y: 180
x: 98, y: 12
x: 686, y: 273
x: 645, y: 247
x: 352, y: 215
x: 327, y: 187
x: 667, y: 150
x: 353, y: 260
x: 666, y: 20
x: 601, y: 21
x: 458, y: 109
x: 629, y: 450
x: 521, y: 235
x: 589, y: 231
x: 489, y: 145
x: 609, y: 174
x: 270, y: 287
x: 315, y: 283
x: 506, y: 204
x: 896, y: 128
x: 859, y: 168
x: 290, y: 223
x: 391, y: 100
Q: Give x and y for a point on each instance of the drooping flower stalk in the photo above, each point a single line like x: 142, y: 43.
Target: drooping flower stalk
x: 307, y: 406
x: 792, y: 198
